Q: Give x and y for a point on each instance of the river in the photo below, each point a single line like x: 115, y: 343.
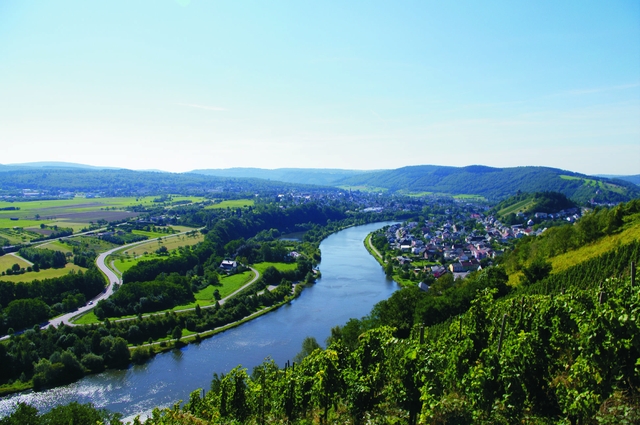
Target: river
x: 351, y: 283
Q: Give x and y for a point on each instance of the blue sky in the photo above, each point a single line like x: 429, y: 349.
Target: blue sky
x: 179, y: 85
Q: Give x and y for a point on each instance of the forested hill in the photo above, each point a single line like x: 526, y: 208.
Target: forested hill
x: 128, y: 182
x: 491, y: 183
x: 319, y: 176
x: 496, y: 183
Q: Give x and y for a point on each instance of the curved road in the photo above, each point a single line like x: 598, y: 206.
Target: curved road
x: 113, y: 279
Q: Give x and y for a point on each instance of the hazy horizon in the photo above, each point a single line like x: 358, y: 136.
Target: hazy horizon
x: 80, y: 166
x: 179, y: 85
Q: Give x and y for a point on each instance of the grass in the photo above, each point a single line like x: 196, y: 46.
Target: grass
x: 235, y: 203
x: 124, y: 264
x: 56, y: 246
x: 87, y: 319
x: 146, y: 251
x: 518, y: 206
x: 564, y: 261
x: 7, y: 260
x: 169, y: 241
x: 569, y: 259
x: 16, y: 387
x: 229, y: 284
x: 283, y: 267
x: 596, y: 183
x: 150, y: 235
x: 93, y: 243
x: 42, y: 274
x: 17, y: 236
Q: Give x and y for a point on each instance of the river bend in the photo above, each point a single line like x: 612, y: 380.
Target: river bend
x: 352, y: 282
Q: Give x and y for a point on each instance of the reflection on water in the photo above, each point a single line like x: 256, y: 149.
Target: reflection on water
x: 352, y: 282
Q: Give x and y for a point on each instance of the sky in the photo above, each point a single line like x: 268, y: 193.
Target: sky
x: 179, y: 85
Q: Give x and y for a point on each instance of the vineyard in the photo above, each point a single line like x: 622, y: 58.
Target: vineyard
x: 571, y: 358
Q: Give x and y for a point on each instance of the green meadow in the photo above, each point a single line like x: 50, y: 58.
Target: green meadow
x: 56, y: 246
x: 8, y: 260
x: 42, y: 274
x: 283, y: 267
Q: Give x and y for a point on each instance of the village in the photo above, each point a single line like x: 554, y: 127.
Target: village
x: 464, y: 242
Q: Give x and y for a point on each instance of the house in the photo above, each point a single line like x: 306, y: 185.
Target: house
x: 438, y: 271
x: 423, y: 286
x: 456, y: 267
x: 229, y: 265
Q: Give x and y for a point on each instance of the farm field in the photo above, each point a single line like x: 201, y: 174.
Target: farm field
x: 77, y: 213
x: 42, y: 274
x: 236, y: 203
x: 170, y: 242
x: 17, y: 236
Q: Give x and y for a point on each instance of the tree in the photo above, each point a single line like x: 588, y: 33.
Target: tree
x: 538, y: 270
x: 388, y: 268
x: 309, y: 345
x: 176, y: 333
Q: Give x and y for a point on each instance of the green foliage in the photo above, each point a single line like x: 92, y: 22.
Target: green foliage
x: 144, y: 297
x: 561, y: 239
x: 528, y: 203
x: 309, y: 345
x: 71, y: 414
x: 496, y: 183
x: 536, y: 271
x: 44, y: 258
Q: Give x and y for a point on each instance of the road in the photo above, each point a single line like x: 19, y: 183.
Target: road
x: 111, y: 277
x: 375, y: 250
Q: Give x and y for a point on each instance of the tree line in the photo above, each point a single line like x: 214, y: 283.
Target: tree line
x: 23, y: 304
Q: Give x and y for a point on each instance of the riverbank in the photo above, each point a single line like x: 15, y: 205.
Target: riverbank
x: 351, y: 284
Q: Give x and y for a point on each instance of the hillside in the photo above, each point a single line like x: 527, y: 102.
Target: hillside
x: 635, y: 179
x: 497, y: 183
x: 528, y: 203
x: 317, y: 176
x: 128, y: 182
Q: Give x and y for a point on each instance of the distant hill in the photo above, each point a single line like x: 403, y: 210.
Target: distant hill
x: 128, y: 182
x: 317, y: 176
x: 633, y: 179
x: 53, y: 164
x: 496, y: 183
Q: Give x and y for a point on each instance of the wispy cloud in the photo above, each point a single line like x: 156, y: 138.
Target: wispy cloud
x: 208, y: 108
x: 603, y: 89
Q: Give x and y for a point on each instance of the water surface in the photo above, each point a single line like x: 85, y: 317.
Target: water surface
x: 352, y: 282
